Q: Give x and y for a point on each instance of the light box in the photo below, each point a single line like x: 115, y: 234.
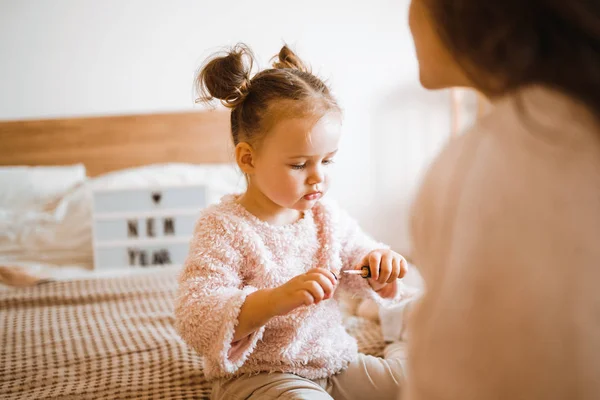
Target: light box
x: 145, y: 227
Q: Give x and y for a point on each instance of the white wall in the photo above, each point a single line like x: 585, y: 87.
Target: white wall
x: 83, y: 57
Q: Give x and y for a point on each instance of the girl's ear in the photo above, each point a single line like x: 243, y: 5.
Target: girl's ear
x: 244, y: 156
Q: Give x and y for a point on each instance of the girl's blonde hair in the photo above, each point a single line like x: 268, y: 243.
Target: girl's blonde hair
x: 288, y: 89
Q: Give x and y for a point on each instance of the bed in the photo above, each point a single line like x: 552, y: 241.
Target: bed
x: 73, y: 332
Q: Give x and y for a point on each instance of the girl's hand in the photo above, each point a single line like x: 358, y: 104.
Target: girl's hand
x: 386, y: 267
x: 312, y: 287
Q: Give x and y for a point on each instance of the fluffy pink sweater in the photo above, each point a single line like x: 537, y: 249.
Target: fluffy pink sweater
x: 233, y: 254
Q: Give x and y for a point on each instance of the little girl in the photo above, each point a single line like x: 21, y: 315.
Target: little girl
x: 257, y: 293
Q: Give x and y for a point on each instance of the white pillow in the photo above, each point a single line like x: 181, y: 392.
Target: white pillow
x: 23, y: 187
x: 220, y: 179
x: 61, y: 234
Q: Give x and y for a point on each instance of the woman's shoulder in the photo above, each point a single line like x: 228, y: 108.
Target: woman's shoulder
x: 531, y: 143
x: 529, y: 130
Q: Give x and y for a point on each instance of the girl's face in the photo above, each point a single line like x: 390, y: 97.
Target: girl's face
x: 292, y: 165
x: 438, y: 69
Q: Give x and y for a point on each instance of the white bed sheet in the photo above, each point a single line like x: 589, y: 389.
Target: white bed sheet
x: 72, y: 272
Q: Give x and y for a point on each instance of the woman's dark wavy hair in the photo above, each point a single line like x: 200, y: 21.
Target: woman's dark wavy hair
x: 523, y: 42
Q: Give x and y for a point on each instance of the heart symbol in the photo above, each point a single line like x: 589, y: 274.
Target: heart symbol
x: 156, y: 197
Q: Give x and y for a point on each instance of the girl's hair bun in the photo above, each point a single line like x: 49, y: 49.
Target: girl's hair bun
x: 226, y: 77
x: 287, y: 59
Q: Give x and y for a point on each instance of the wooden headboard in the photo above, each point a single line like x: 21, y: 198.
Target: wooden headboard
x: 105, y: 144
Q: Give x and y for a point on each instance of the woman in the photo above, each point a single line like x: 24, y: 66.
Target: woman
x: 507, y: 222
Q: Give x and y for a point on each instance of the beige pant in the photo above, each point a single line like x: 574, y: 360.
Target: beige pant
x: 366, y: 378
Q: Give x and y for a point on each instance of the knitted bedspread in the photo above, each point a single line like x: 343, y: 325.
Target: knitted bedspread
x: 108, y: 338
